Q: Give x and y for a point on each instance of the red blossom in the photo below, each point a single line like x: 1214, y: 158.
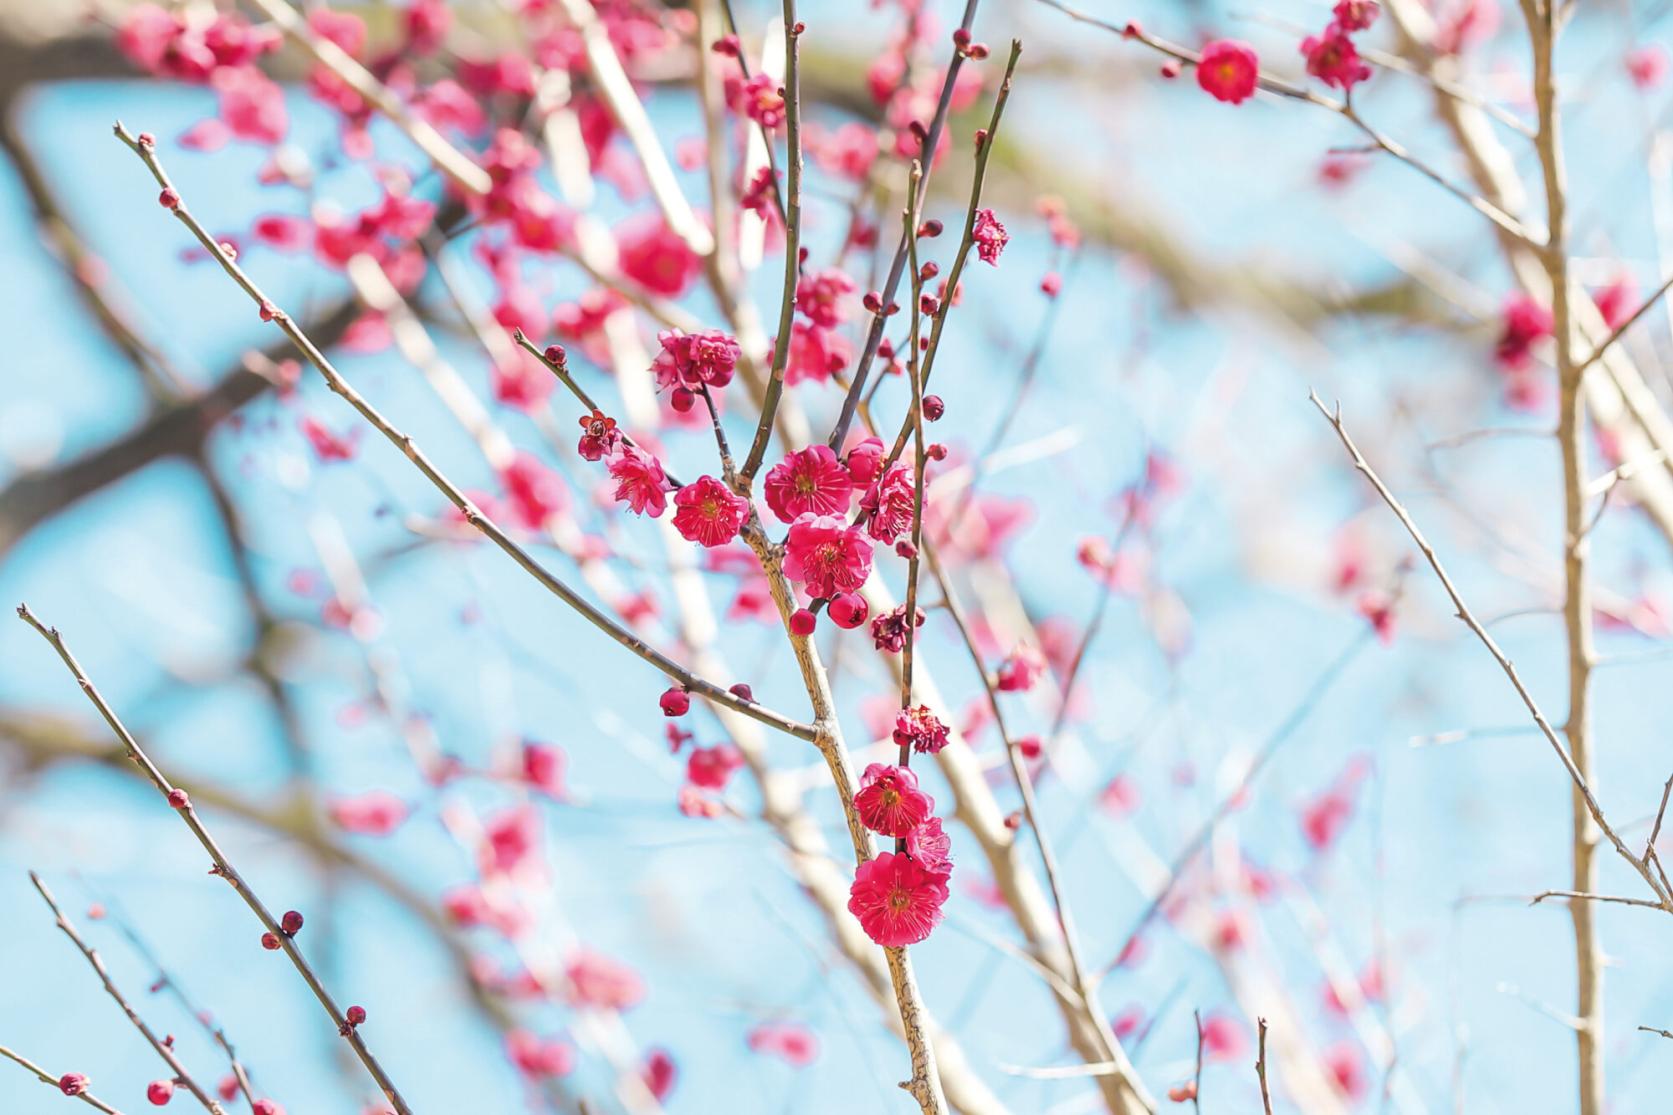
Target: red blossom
x: 652, y: 255
x: 1333, y: 58
x: 534, y: 492
x: 807, y: 482
x: 931, y: 847
x: 820, y: 297
x: 889, y: 801
x: 640, y: 481
x: 826, y: 555
x: 708, y: 513
x: 695, y: 359
x: 1227, y: 70
x: 791, y: 1041
x: 920, y: 729
x: 989, y: 236
x: 896, y: 900
x: 889, y: 503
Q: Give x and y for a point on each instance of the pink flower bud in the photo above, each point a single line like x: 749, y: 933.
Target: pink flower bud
x: 291, y: 923
x: 848, y: 610
x: 802, y: 622
x: 934, y: 408
x: 72, y: 1083
x: 269, y: 942
x: 169, y: 200
x: 159, y: 1092
x: 177, y: 798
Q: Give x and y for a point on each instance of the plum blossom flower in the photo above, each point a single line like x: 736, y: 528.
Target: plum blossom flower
x: 654, y: 256
x: 1333, y: 58
x: 920, y: 729
x: 791, y: 1041
x: 815, y: 353
x: 809, y: 481
x: 889, y: 503
x: 695, y: 359
x: 599, y: 436
x: 889, y: 801
x: 1356, y: 15
x: 897, y: 901
x: 864, y: 460
x: 595, y: 980
x: 826, y: 555
x: 1021, y: 669
x: 1525, y: 322
x: 534, y: 491
x: 537, y: 1057
x: 931, y: 847
x: 543, y: 767
x: 1228, y: 70
x: 640, y: 481
x: 989, y: 236
x: 888, y: 631
x: 820, y: 294
x: 376, y: 813
x: 712, y: 767
x: 706, y: 512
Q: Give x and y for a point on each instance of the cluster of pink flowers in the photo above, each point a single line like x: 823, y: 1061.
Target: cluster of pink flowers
x: 989, y: 236
x: 898, y: 895
x: 826, y: 555
x: 1331, y: 54
x: 695, y: 360
x: 920, y: 729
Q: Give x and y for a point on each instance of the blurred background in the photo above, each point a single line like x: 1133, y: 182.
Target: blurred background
x: 283, y: 628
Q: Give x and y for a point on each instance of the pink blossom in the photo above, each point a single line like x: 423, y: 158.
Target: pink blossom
x: 888, y: 631
x: 826, y: 555
x: 1227, y: 70
x: 652, y: 255
x: 659, y: 1073
x: 761, y: 100
x: 889, y: 504
x: 989, y: 236
x: 534, y: 491
x: 282, y: 232
x: 931, y: 847
x: 864, y: 460
x: 809, y: 481
x: 920, y: 729
x: 897, y: 901
x: 641, y: 483
x: 706, y: 512
x: 1525, y: 322
x: 712, y: 767
x: 695, y: 359
x: 599, y: 982
x: 1356, y: 15
x: 820, y: 295
x: 543, y: 767
x: 328, y: 446
x: 791, y: 1041
x: 889, y: 800
x: 599, y: 437
x: 1647, y: 65
x: 1020, y: 670
x: 376, y: 813
x: 1333, y: 58
x: 538, y: 1057
x: 1616, y: 301
x: 815, y: 354
x: 511, y: 838
x: 252, y: 105
x: 1222, y: 1038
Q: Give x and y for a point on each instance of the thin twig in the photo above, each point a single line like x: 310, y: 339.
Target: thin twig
x: 47, y: 1078
x: 222, y: 866
x: 1468, y: 617
x: 1260, y: 1067
x: 164, y: 1050
x: 1582, y: 897
x: 792, y: 248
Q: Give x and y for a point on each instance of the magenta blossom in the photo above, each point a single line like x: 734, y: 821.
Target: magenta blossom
x: 809, y: 481
x: 826, y: 555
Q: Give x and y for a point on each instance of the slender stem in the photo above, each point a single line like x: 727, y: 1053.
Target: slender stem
x: 223, y: 866
x: 1260, y: 1068
x: 1577, y: 602
x: 471, y: 512
x: 1576, y: 776
x: 1196, y: 1077
x: 47, y: 1078
x: 874, y: 335
x: 792, y: 247
x: 915, y: 415
x: 164, y: 1050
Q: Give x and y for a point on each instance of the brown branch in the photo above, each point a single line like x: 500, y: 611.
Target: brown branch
x: 223, y: 866
x: 1260, y: 1068
x: 47, y: 1078
x: 164, y: 1049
